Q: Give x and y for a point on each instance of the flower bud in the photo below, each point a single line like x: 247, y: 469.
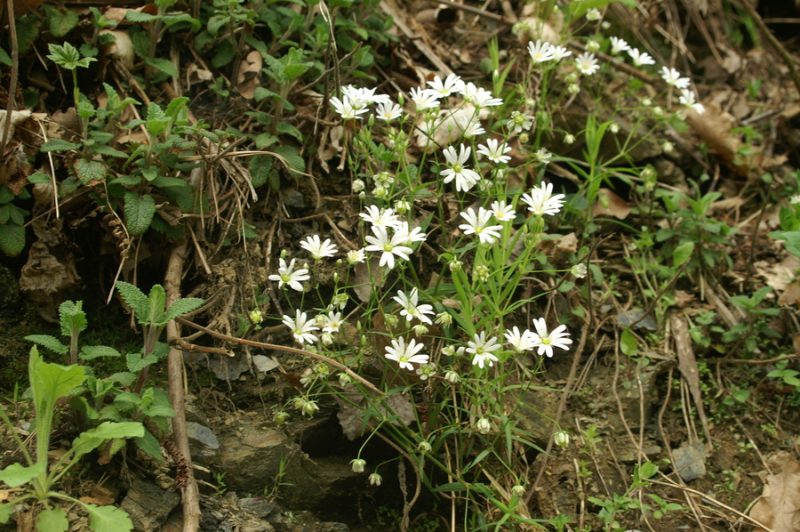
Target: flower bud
x: 483, y: 425
x: 256, y: 316
x: 445, y: 319
x: 280, y: 417
x: 423, y: 447
x: 375, y: 479
x: 518, y: 490
x: 358, y: 185
x: 357, y: 465
x: 561, y: 438
x: 345, y: 380
x: 452, y: 377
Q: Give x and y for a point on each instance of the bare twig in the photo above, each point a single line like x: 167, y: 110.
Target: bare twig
x: 11, y: 104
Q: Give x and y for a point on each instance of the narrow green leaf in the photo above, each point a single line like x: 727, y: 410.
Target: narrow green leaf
x: 48, y: 342
x: 58, y: 145
x: 163, y: 65
x: 52, y: 520
x: 91, y: 352
x: 156, y: 303
x: 682, y: 253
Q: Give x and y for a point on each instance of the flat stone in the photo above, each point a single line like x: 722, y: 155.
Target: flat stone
x: 690, y: 461
x: 148, y: 505
x: 203, y: 441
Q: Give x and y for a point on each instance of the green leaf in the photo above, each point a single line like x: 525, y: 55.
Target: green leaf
x: 136, y: 363
x: 60, y: 22
x: 288, y: 129
x: 791, y: 240
x: 108, y: 518
x: 182, y: 306
x: 260, y: 168
x: 88, y: 171
x: 264, y: 140
x: 5, y: 59
x: 6, y: 509
x: 139, y: 16
x: 139, y: 211
x: 16, y: 475
x: 51, y: 382
x: 682, y: 253
x: 628, y: 343
x: 91, y: 439
x: 134, y: 298
x: 58, y: 145
x: 72, y: 317
x: 91, y: 352
x: 52, y: 520
x: 48, y: 342
x: 163, y: 65
x: 12, y: 239
x: 225, y: 53
x: 156, y: 121
x: 291, y: 157
x: 156, y: 302
x: 149, y: 444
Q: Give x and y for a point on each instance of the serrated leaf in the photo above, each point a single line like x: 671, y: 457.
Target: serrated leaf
x: 58, y: 145
x: 88, y: 171
x: 91, y: 439
x: 16, y: 475
x: 182, y: 306
x: 91, y: 352
x: 134, y: 298
x: 61, y: 22
x: 12, y: 239
x: 48, y: 342
x: 108, y: 151
x: 72, y: 318
x: 682, y: 253
x: 260, y: 168
x: 52, y: 520
x: 108, y: 519
x: 136, y: 363
x: 139, y: 211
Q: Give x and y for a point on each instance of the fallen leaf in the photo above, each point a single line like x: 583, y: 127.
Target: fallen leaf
x: 790, y: 295
x: 248, y: 78
x: 778, y: 509
x: 778, y: 275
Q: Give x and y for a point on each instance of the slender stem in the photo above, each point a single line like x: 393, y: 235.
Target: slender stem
x: 13, y: 431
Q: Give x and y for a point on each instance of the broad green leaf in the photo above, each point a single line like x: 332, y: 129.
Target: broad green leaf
x: 108, y: 518
x: 5, y: 59
x: 163, y: 65
x: 149, y: 444
x: 291, y: 157
x: 136, y: 363
x: 58, y: 145
x: 264, y: 140
x: 72, y: 317
x: 134, y: 298
x: 16, y: 475
x: 60, y: 21
x: 88, y: 171
x: 52, y: 520
x: 791, y: 240
x: 50, y: 382
x: 139, y: 211
x: 225, y: 53
x: 288, y: 129
x: 12, y: 239
x: 682, y: 253
x: 139, y: 16
x: 48, y: 342
x: 91, y: 352
x: 628, y: 343
x: 260, y: 168
x: 182, y: 306
x: 156, y: 301
x: 93, y: 438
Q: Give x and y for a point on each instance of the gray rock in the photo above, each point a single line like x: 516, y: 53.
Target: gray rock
x: 690, y: 461
x: 202, y: 440
x: 148, y: 505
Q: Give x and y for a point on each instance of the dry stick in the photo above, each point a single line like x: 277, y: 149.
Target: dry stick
x: 772, y: 40
x: 286, y: 349
x: 190, y: 493
x: 12, y: 84
x: 476, y: 10
x: 561, y: 406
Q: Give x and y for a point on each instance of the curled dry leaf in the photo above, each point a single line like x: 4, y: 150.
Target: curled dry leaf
x: 248, y: 78
x: 121, y: 49
x: 778, y: 509
x: 610, y: 204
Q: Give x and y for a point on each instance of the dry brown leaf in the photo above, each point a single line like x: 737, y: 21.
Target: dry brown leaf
x: 778, y: 275
x: 248, y: 78
x: 610, y: 204
x: 790, y: 295
x: 687, y: 363
x: 352, y: 409
x: 778, y: 509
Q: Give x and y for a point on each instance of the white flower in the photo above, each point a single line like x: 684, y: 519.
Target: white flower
x: 559, y: 52
x: 375, y: 479
x: 578, y: 270
x: 358, y: 185
x: 465, y: 178
x: 331, y: 322
x: 452, y: 83
x: 388, y: 111
x: 474, y: 128
x: 410, y: 307
x: 795, y: 200
x: 541, y: 200
x: 495, y: 151
x: 380, y: 217
x: 355, y: 256
x: 346, y: 109
x: 388, y: 247
x: 519, y: 122
x: 520, y: 341
x: 673, y: 78
x: 593, y: 46
x: 424, y: 99
x: 287, y: 275
x: 561, y: 438
x: 357, y: 465
x: 586, y: 64
x: 543, y: 155
x: 619, y: 45
x: 317, y: 248
x: 479, y: 97
x: 301, y: 327
x: 406, y: 355
x: 569, y: 138
x: 477, y: 225
x: 540, y: 51
x: 483, y: 425
x: 362, y: 97
x: 688, y: 98
x: 593, y: 15
x: 503, y: 212
x: 545, y: 342
x: 640, y: 58
x: 481, y: 349
x: 409, y: 236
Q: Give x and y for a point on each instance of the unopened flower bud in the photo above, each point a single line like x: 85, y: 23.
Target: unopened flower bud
x: 452, y: 377
x: 391, y: 320
x: 280, y: 417
x: 256, y: 316
x: 561, y: 438
x: 358, y: 185
x: 420, y: 329
x: 357, y: 465
x: 569, y: 138
x: 445, y: 319
x: 578, y: 271
x: 345, y: 380
x: 375, y: 479
x: 518, y: 490
x: 423, y: 447
x: 483, y: 425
